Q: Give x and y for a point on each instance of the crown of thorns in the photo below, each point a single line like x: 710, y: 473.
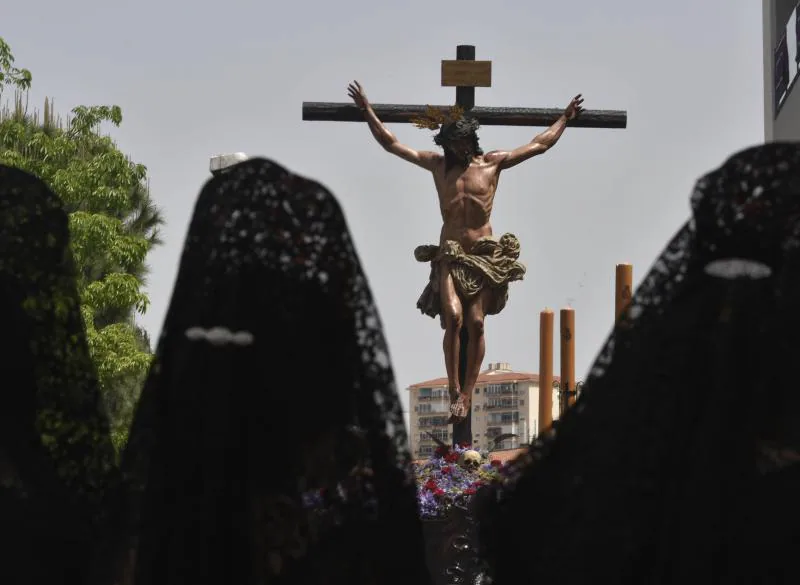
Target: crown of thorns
x: 434, y: 117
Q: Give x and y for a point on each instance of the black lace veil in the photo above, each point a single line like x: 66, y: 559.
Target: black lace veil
x: 661, y: 471
x: 269, y: 443
x: 55, y: 450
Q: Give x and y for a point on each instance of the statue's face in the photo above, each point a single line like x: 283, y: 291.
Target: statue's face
x: 460, y: 147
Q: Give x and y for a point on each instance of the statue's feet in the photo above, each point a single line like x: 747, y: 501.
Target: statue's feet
x: 459, y: 409
x: 454, y: 394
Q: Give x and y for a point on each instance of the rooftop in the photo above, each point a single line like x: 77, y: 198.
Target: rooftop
x: 507, y: 455
x: 504, y: 455
x: 496, y: 373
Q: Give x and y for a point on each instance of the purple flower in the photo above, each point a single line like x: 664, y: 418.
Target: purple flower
x: 442, y: 481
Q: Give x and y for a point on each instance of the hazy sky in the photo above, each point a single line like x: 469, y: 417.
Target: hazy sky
x: 199, y: 78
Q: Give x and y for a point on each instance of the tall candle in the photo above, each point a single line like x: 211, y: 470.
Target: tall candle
x: 624, y: 289
x: 567, y: 383
x: 545, y: 370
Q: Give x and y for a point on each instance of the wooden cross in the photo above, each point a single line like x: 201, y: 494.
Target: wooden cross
x: 465, y: 74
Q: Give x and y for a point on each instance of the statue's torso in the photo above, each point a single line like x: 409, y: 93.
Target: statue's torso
x: 466, y: 197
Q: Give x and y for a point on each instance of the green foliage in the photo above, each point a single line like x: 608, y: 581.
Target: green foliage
x: 113, y: 225
x: 10, y: 75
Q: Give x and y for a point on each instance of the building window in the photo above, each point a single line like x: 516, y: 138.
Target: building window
x: 785, y: 58
x: 440, y: 434
x: 433, y: 421
x: 496, y: 403
x: 434, y: 435
x: 503, y: 418
x: 499, y: 389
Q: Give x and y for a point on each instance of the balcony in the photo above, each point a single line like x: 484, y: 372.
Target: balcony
x: 433, y: 421
x: 513, y: 429
x: 424, y: 438
x: 494, y: 404
x: 513, y: 443
x: 432, y: 408
x: 501, y: 390
x: 503, y: 429
x: 435, y: 396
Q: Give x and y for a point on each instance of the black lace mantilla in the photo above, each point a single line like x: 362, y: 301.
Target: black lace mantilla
x: 56, y: 454
x: 658, y: 474
x: 269, y: 444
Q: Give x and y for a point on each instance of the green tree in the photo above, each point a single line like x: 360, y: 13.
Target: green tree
x: 11, y: 76
x: 113, y: 225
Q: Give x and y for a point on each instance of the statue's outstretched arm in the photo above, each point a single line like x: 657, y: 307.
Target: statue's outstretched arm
x: 385, y: 137
x: 543, y: 142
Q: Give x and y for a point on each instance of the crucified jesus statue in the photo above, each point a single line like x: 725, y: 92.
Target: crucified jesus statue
x: 470, y: 268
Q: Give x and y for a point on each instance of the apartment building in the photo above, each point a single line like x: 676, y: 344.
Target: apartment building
x: 781, y: 27
x: 505, y: 411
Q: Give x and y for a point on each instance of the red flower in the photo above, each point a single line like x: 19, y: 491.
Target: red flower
x: 442, y: 451
x: 431, y: 485
x: 465, y: 445
x: 469, y: 491
x: 451, y: 457
x: 496, y: 463
x: 446, y: 469
x: 438, y: 492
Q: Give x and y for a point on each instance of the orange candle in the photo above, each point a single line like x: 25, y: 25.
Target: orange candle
x: 567, y: 358
x: 624, y: 289
x: 545, y: 370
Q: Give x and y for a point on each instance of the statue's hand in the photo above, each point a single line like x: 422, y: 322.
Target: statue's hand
x: 575, y: 108
x: 356, y: 93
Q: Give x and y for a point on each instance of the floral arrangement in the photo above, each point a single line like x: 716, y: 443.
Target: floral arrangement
x: 452, y: 476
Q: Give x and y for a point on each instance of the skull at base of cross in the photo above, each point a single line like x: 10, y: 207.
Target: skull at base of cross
x: 470, y: 459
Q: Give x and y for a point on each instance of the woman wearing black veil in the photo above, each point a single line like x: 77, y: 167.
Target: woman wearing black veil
x: 56, y: 454
x: 678, y: 464
x: 269, y: 444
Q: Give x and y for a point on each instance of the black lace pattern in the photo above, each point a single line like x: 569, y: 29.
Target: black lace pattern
x: 269, y: 443
x: 660, y: 473
x: 56, y: 455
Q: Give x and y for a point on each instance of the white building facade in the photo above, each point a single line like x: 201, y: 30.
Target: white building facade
x: 505, y: 402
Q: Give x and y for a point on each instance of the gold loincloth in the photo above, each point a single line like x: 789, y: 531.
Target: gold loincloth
x: 492, y: 263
